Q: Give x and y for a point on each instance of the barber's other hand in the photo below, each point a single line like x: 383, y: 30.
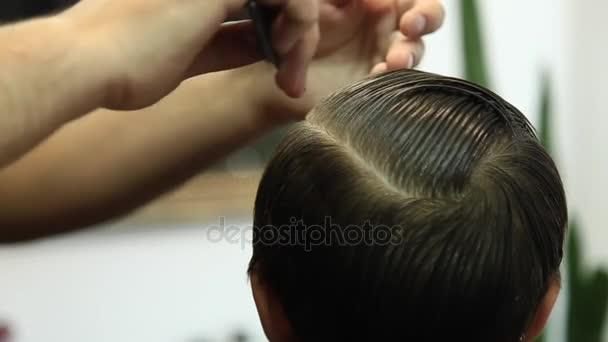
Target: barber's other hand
x: 359, y: 37
x: 148, y: 47
x: 396, y: 27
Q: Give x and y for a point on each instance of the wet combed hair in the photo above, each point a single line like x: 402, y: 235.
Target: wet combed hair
x: 479, y: 203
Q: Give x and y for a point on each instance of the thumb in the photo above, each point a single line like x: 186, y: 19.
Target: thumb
x: 233, y: 46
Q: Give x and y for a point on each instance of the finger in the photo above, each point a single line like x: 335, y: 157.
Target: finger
x: 375, y: 7
x: 383, y: 22
x: 233, y: 46
x: 404, y: 53
x: 388, y: 14
x: 292, y: 75
x: 405, y: 5
x: 379, y: 68
x: 296, y: 18
x: 425, y: 17
x: 339, y: 21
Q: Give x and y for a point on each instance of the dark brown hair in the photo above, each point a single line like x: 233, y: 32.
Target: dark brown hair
x: 474, y: 205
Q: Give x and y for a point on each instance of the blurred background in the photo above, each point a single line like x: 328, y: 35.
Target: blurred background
x: 162, y: 274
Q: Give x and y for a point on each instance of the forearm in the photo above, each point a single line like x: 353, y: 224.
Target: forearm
x: 47, y: 78
x: 108, y: 163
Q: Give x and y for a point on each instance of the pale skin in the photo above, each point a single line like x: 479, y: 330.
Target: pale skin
x: 62, y: 174
x: 125, y: 55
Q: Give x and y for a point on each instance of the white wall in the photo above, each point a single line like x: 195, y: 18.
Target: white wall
x: 161, y: 285
x: 172, y: 285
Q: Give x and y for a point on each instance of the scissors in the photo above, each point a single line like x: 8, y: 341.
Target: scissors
x: 263, y: 18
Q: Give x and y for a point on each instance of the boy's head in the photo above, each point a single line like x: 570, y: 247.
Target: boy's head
x: 409, y: 207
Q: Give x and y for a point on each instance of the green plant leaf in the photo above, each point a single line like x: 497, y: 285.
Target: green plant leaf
x: 598, y: 290
x: 544, y: 127
x: 588, y: 297
x: 541, y: 338
x: 575, y: 284
x: 476, y: 69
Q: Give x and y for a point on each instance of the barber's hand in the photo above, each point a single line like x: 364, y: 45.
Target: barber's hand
x: 359, y: 37
x: 415, y: 18
x: 149, y: 47
x: 396, y: 26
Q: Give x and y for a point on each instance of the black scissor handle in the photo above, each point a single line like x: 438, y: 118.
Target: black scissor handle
x: 263, y: 18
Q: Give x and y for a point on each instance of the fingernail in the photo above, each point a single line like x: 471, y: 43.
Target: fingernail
x: 300, y: 82
x: 410, y: 62
x: 292, y: 80
x: 282, y: 44
x: 418, y: 26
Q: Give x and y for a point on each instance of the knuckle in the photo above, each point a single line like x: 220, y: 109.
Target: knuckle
x: 307, y: 12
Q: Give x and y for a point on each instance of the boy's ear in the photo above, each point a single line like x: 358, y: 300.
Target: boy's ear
x: 544, y: 311
x: 272, y: 316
